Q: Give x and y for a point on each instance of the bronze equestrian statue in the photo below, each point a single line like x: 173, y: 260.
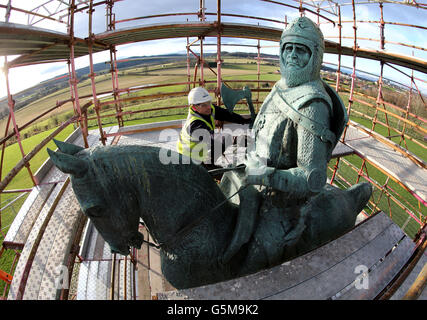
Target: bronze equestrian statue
x: 274, y: 208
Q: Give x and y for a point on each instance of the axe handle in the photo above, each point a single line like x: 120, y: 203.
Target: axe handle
x: 248, y: 96
x: 251, y: 108
x: 215, y: 172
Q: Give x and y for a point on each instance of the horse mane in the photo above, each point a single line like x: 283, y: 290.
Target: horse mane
x: 132, y: 173
x: 116, y: 172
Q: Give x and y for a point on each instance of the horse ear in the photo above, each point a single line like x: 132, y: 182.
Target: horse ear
x: 68, y: 163
x: 67, y: 148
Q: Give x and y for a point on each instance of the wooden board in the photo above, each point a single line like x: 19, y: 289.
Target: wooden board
x: 325, y: 272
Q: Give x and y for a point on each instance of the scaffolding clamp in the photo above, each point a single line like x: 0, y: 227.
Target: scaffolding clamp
x: 6, y: 277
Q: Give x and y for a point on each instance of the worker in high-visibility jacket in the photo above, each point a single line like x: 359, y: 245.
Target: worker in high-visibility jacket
x: 197, y: 139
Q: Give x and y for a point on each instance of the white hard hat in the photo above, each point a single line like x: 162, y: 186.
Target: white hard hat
x: 198, y: 95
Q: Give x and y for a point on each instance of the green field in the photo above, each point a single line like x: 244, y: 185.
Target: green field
x: 22, y: 180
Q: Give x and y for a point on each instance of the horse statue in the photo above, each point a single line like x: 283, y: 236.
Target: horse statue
x: 194, y: 220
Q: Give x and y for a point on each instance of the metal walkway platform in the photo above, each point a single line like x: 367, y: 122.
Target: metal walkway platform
x: 410, y: 174
x: 38, y: 45
x: 49, y: 239
x: 39, y: 197
x: 97, y: 269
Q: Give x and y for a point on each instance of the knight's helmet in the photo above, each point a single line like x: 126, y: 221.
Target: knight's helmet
x: 304, y: 31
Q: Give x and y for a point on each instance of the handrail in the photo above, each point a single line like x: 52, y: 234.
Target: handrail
x: 31, y: 13
x: 58, y: 104
x: 32, y: 254
x: 382, y: 187
x: 195, y: 13
x: 12, y: 202
x: 25, y: 160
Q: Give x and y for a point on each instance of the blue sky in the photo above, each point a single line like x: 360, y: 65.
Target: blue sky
x: 128, y: 9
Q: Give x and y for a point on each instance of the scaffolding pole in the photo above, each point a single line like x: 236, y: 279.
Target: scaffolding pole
x: 218, y: 55
x: 113, y: 63
x: 73, y: 79
x: 92, y: 75
x: 11, y: 104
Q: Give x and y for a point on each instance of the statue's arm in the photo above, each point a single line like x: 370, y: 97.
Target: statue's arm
x: 309, y: 176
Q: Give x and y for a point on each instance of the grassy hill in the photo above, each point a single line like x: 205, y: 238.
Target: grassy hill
x: 133, y: 71
x: 26, y: 97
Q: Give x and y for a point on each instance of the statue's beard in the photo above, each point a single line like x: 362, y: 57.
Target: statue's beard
x: 295, y: 76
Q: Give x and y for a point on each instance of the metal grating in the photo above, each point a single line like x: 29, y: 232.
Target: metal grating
x: 39, y: 45
x: 391, y: 161
x: 236, y: 30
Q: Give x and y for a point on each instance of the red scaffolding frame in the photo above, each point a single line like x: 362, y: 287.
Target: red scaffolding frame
x: 95, y: 43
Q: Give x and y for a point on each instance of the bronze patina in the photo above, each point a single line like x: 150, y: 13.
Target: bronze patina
x: 277, y: 206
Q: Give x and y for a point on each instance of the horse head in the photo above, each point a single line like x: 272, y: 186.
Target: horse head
x: 112, y: 210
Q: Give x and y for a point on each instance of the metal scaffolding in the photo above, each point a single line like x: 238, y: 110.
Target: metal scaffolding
x: 37, y: 46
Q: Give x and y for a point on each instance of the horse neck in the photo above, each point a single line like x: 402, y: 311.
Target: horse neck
x: 165, y: 196
x: 165, y: 222
x: 162, y: 221
x: 131, y: 180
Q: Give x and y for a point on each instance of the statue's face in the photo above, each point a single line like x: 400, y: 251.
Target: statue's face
x: 296, y: 56
x: 294, y: 64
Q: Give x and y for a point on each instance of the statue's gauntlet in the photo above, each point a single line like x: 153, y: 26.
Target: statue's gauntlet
x: 295, y: 181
